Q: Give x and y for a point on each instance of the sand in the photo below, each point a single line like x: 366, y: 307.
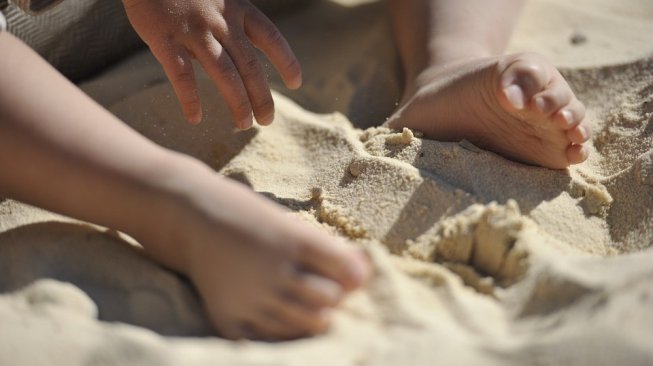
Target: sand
x: 478, y: 260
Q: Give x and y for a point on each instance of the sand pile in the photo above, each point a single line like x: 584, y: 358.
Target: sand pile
x: 479, y: 260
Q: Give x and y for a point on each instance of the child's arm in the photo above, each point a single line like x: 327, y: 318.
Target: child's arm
x: 222, y: 36
x: 61, y: 151
x: 432, y: 33
x: 260, y: 273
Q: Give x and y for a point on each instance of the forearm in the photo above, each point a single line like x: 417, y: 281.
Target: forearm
x: 436, y: 32
x: 61, y: 151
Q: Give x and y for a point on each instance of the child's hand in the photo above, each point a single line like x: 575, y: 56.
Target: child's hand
x: 221, y: 35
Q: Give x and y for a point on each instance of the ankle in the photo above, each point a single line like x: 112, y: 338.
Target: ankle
x: 162, y: 230
x: 445, y: 50
x: 426, y: 76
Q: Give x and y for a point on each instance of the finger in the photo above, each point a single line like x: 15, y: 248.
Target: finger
x: 177, y: 64
x: 267, y: 37
x: 251, y: 72
x: 221, y: 69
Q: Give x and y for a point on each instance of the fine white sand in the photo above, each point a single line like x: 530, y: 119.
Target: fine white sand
x: 479, y: 260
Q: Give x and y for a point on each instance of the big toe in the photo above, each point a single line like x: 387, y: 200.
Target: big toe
x: 336, y: 260
x: 522, y: 76
x: 315, y: 291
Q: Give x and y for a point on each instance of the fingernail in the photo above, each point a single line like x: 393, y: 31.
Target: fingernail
x: 195, y: 119
x: 568, y: 117
x: 266, y: 120
x: 515, y: 96
x: 247, y: 123
x: 296, y: 83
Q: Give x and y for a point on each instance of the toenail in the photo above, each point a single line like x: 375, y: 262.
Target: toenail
x: 581, y: 134
x: 540, y: 103
x: 515, y: 96
x: 358, y: 274
x: 568, y: 117
x: 585, y: 133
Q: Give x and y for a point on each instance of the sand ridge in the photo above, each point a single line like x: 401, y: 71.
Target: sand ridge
x: 478, y: 260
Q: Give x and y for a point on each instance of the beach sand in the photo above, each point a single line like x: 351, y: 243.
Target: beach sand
x: 478, y: 260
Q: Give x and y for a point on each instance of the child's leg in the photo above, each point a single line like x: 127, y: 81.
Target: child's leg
x: 259, y: 272
x: 460, y: 86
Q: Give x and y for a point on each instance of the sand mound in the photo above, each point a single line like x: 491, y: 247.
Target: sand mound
x: 478, y: 260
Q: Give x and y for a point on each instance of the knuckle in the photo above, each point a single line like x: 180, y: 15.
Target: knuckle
x: 163, y: 45
x: 293, y: 65
x: 189, y: 95
x: 251, y: 66
x: 252, y: 63
x: 264, y: 104
x: 192, y: 99
x: 273, y: 34
x: 225, y: 68
x: 168, y: 38
x: 242, y: 108
x: 184, y: 77
x: 205, y: 42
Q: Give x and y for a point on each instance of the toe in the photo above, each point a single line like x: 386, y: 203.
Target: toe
x: 527, y: 73
x: 315, y: 291
x: 579, y: 134
x: 231, y: 330
x: 556, y: 95
x: 270, y: 327
x: 570, y: 115
x: 336, y: 261
x: 577, y: 153
x: 299, y: 319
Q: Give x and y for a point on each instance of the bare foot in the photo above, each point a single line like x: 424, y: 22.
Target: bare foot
x: 261, y: 273
x: 516, y: 105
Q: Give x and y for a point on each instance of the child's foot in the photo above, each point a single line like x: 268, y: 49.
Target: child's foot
x: 517, y: 105
x: 260, y: 273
